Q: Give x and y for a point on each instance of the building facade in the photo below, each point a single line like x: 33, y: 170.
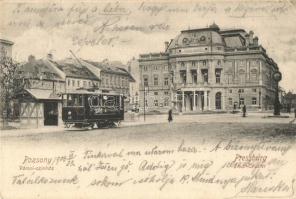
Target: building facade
x: 208, y: 69
x: 5, y: 48
x: 113, y: 76
x: 40, y: 102
x: 133, y: 69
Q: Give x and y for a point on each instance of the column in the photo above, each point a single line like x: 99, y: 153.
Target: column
x: 199, y: 102
x: 188, y: 74
x: 248, y: 70
x: 260, y: 72
x: 235, y: 70
x: 223, y: 96
x: 206, y: 100
x: 183, y: 101
x: 209, y: 100
x: 199, y: 77
x: 194, y: 102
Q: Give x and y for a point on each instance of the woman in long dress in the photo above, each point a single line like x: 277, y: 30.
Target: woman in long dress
x: 170, y: 118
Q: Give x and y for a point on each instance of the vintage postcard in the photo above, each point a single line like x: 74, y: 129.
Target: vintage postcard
x: 147, y: 99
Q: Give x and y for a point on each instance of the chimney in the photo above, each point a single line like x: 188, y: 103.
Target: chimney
x: 251, y: 34
x: 255, y: 41
x: 247, y: 40
x: 49, y: 56
x: 166, y: 45
x: 31, y: 58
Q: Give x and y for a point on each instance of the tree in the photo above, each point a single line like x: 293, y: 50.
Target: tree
x: 9, y: 86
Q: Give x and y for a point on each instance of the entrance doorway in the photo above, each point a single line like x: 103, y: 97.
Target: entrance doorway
x: 50, y: 113
x: 218, y: 100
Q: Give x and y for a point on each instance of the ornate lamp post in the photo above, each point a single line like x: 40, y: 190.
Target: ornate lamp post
x: 277, y: 76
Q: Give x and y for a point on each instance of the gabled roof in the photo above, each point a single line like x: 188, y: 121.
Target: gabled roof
x: 111, y: 67
x: 4, y: 41
x: 40, y: 68
x: 75, y: 68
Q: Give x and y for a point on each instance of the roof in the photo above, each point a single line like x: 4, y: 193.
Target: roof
x: 6, y: 41
x: 40, y: 68
x: 74, y: 68
x: 102, y: 91
x: 42, y: 94
x: 233, y: 41
x: 111, y: 67
x: 106, y: 66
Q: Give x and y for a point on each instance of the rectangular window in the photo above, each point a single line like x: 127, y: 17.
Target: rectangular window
x: 183, y: 76
x: 145, y: 81
x: 155, y: 68
x: 155, y: 102
x: 218, y: 75
x: 241, y: 90
x: 193, y: 63
x: 230, y: 90
x: 254, y: 90
x: 73, y: 83
x: 155, y: 80
x: 204, y: 73
x: 194, y: 76
x: 230, y: 101
x: 242, y: 101
x: 204, y: 62
x: 74, y: 100
x: 84, y: 83
x: 145, y: 68
x: 166, y: 93
x: 69, y: 82
x: 166, y: 81
x: 254, y: 100
x: 166, y: 102
x: 155, y: 93
x: 78, y: 83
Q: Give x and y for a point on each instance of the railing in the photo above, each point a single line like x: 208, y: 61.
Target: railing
x: 153, y: 56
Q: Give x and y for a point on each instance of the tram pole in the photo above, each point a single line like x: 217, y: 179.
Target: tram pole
x: 144, y: 103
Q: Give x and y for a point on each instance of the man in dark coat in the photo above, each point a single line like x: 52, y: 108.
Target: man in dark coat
x: 170, y: 118
x: 244, y: 110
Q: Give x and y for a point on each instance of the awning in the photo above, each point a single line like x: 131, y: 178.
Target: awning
x: 42, y: 94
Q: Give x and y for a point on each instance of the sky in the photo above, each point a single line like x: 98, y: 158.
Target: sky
x: 121, y: 30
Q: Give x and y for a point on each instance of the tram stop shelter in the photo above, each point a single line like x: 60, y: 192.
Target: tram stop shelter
x: 39, y: 108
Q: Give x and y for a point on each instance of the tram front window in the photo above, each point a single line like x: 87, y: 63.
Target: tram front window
x: 74, y: 100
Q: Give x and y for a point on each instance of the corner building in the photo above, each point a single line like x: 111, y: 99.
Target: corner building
x: 208, y: 69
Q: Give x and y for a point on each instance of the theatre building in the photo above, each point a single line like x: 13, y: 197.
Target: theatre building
x: 208, y: 69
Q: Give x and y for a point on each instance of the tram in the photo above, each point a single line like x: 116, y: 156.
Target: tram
x: 82, y: 108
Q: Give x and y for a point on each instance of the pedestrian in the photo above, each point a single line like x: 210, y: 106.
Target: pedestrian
x: 244, y: 110
x: 170, y: 118
x: 289, y: 108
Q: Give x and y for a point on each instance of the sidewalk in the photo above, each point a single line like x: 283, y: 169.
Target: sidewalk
x: 24, y: 132
x: 159, y: 119
x: 211, y: 118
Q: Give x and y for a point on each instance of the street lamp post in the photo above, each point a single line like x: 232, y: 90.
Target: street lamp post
x: 277, y: 76
x: 239, y: 97
x: 145, y: 92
